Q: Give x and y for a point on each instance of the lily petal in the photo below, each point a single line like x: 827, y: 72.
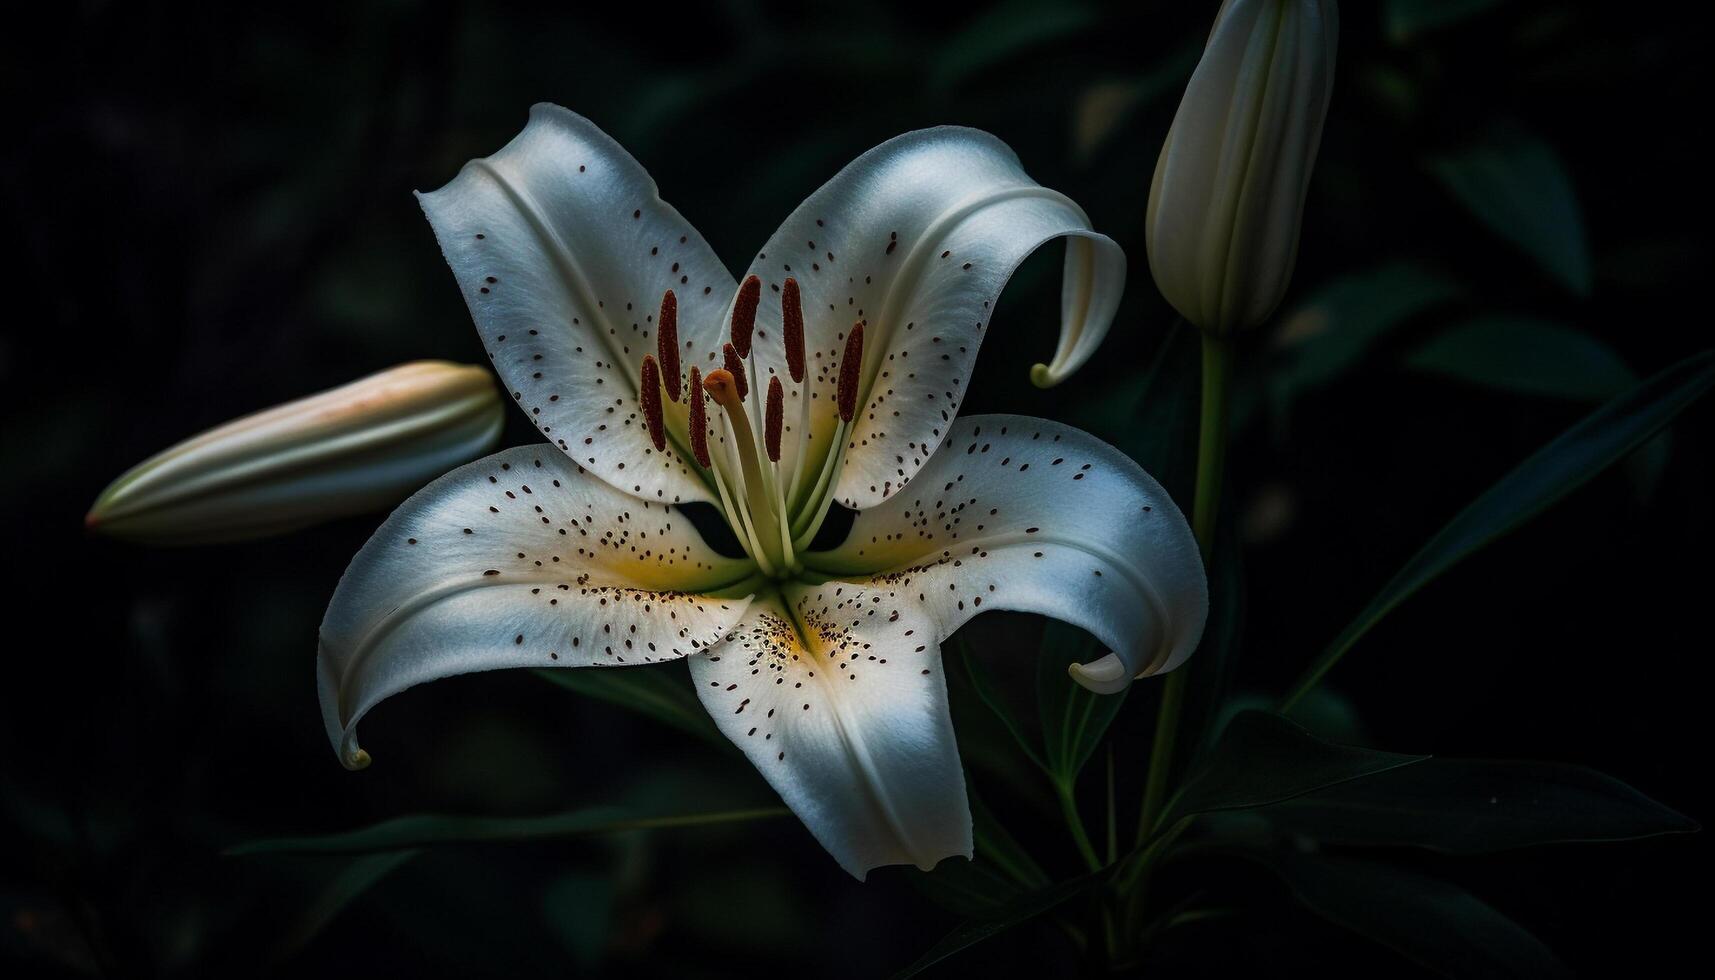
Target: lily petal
x: 516, y: 560
x: 563, y: 250
x: 917, y: 238
x: 1029, y: 515
x: 843, y: 708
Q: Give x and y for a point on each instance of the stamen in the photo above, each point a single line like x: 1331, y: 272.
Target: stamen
x: 851, y: 366
x: 667, y: 342
x: 699, y: 422
x: 744, y: 314
x: 775, y: 419
x: 649, y: 393
x: 735, y: 367
x: 792, y: 328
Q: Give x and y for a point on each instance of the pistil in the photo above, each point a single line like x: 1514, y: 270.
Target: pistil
x: 722, y: 386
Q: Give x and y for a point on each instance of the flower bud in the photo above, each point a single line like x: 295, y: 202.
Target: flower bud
x: 1228, y: 193
x: 360, y: 447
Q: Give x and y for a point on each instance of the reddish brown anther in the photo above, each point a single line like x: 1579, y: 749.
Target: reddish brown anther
x: 667, y: 342
x: 744, y: 314
x: 792, y: 329
x: 699, y: 422
x: 735, y: 367
x: 775, y: 419
x: 649, y: 393
x: 851, y: 367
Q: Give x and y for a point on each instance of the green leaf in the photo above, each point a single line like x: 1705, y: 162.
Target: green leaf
x: 1004, y: 32
x: 970, y: 933
x: 996, y: 845
x: 1155, y: 422
x: 1440, y: 926
x: 1263, y: 758
x: 1323, y: 712
x: 1330, y: 334
x: 1074, y: 719
x: 425, y: 829
x: 1404, y: 20
x: 1555, y: 470
x: 968, y: 889
x: 658, y: 690
x: 986, y: 742
x: 1475, y: 806
x: 1001, y: 873
x: 1106, y: 108
x: 355, y: 878
x: 1212, y: 667
x: 987, y: 691
x: 1517, y: 187
x: 1528, y: 356
x: 579, y: 910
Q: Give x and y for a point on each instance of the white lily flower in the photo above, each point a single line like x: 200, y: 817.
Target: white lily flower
x: 354, y: 449
x: 660, y: 383
x: 1227, y: 198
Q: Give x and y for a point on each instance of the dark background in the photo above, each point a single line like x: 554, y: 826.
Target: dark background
x: 208, y: 210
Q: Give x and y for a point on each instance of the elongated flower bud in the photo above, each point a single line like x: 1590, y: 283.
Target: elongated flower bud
x: 1228, y: 194
x: 360, y: 447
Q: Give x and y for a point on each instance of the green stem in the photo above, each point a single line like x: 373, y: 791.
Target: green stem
x: 1075, y: 823
x: 1113, y: 815
x: 1211, y: 462
x: 1211, y: 442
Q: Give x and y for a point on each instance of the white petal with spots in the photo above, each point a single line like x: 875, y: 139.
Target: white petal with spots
x: 1029, y: 515
x: 563, y: 249
x: 842, y: 706
x: 917, y: 237
x: 517, y: 560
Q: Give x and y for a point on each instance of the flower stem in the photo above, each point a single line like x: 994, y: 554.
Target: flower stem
x: 1211, y: 463
x: 1075, y: 823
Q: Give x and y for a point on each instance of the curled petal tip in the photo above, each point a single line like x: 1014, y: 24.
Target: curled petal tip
x: 354, y: 759
x: 1109, y: 675
x: 1042, y: 377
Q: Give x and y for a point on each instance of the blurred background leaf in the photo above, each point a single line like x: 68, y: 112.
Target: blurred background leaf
x: 1263, y: 758
x: 1526, y: 355
x: 1475, y: 806
x: 1578, y: 454
x: 419, y: 831
x: 664, y: 695
x: 1440, y: 926
x: 1518, y: 188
